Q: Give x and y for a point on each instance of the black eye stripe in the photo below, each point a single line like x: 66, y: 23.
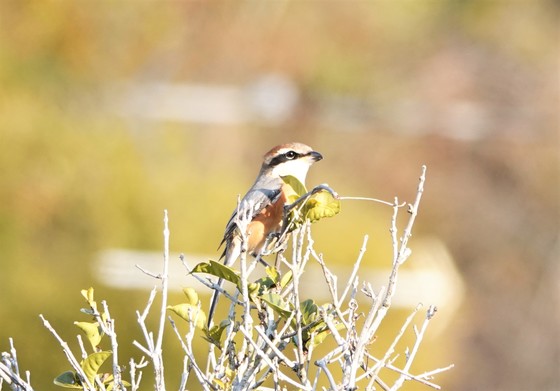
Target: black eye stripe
x: 289, y: 155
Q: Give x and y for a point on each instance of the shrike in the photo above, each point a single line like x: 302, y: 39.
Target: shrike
x: 263, y: 205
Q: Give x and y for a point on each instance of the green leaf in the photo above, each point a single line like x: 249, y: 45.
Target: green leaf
x: 254, y: 288
x: 319, y: 337
x: 109, y: 381
x: 277, y: 304
x: 219, y: 270
x: 87, y: 311
x: 93, y: 362
x: 261, y: 285
x: 320, y: 205
x: 308, y: 311
x: 190, y: 313
x: 68, y: 379
x: 214, y: 334
x: 296, y: 185
x: 192, y: 296
x: 219, y: 384
x: 286, y: 278
x: 92, y: 331
x: 273, y: 273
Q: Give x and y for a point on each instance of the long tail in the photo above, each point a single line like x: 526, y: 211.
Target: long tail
x: 233, y: 249
x: 214, y: 302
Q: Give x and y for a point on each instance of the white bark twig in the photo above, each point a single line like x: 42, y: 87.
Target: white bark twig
x: 419, y: 336
x: 369, y: 199
x: 9, y: 371
x: 281, y: 356
x: 354, y: 270
x: 69, y: 356
x: 141, y: 319
x: 381, y: 363
x: 109, y: 329
x: 204, y: 382
x: 154, y: 349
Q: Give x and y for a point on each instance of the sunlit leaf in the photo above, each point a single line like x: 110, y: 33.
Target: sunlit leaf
x: 308, y: 311
x: 286, y: 278
x: 296, y: 185
x: 190, y: 313
x: 192, y: 296
x: 320, y: 205
x: 220, y: 385
x: 273, y: 273
x: 219, y: 270
x: 277, y: 304
x: 253, y: 287
x: 317, y: 206
x: 108, y: 381
x: 88, y: 295
x: 68, y: 379
x: 319, y: 337
x: 214, y: 334
x: 93, y: 362
x: 92, y: 331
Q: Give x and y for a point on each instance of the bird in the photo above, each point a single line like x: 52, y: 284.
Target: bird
x: 263, y: 205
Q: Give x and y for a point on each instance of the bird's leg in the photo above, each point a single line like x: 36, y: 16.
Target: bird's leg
x: 262, y: 261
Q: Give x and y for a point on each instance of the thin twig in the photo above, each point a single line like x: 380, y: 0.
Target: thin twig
x: 9, y: 371
x: 164, y: 283
x: 354, y: 270
x: 374, y: 371
x: 275, y: 349
x: 429, y: 315
x: 321, y: 364
x: 70, y: 356
x: 109, y: 325
x: 204, y: 382
x: 369, y: 199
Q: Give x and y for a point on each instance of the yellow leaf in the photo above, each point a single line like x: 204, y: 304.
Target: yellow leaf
x: 92, y: 331
x: 91, y: 364
x: 321, y: 204
x: 298, y: 187
x: 88, y: 295
x: 190, y: 313
x: 192, y: 296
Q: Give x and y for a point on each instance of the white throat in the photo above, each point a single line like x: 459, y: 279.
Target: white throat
x: 296, y: 168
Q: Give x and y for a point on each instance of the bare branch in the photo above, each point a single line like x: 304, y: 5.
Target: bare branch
x: 70, y: 356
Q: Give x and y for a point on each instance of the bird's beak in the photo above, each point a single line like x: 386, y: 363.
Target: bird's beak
x: 316, y: 156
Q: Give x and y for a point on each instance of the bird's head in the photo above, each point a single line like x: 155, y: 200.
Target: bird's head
x: 290, y: 159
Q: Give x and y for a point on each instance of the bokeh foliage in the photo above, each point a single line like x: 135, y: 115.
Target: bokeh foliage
x: 468, y: 88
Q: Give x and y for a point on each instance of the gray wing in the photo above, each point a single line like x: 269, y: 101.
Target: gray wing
x: 262, y: 194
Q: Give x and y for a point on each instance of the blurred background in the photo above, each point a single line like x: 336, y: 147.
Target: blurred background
x: 111, y: 112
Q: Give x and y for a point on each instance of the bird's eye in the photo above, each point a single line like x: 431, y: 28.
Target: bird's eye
x: 290, y: 155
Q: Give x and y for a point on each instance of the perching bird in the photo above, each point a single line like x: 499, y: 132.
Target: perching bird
x: 263, y: 205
